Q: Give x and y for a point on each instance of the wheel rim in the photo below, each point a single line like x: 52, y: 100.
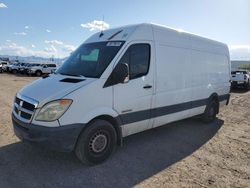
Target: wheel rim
x: 98, y: 142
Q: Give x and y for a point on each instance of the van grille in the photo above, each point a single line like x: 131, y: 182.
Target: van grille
x: 24, y: 109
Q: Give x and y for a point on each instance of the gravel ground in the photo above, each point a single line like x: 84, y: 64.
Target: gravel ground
x: 187, y: 153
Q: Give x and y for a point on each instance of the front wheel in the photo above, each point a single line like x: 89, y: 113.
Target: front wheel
x: 96, y: 143
x: 210, y: 112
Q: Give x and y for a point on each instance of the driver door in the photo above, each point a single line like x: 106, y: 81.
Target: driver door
x: 132, y: 100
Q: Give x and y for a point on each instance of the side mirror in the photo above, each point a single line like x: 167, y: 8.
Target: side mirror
x: 120, y: 74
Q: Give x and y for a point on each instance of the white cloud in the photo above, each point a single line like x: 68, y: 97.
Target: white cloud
x: 239, y: 47
x: 27, y: 27
x: 53, y: 42
x: 54, y: 48
x: 17, y: 50
x: 59, y: 47
x: 68, y: 48
x: 240, y: 52
x: 59, y: 44
x: 21, y: 33
x: 96, y: 25
x: 48, y: 31
x: 2, y: 5
x: 13, y: 44
x: 50, y: 49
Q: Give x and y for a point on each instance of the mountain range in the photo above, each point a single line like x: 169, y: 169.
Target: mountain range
x: 33, y: 59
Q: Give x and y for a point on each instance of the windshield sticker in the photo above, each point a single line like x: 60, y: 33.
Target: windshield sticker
x: 114, y: 43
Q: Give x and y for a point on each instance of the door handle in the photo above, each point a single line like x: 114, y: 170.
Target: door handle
x: 147, y: 86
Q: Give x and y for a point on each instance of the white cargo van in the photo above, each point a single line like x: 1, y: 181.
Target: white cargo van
x: 120, y: 82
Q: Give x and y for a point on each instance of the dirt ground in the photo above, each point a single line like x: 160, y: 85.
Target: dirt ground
x: 187, y: 153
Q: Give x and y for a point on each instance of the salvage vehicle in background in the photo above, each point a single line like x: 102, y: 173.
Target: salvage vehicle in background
x: 4, y: 65
x: 29, y: 66
x: 13, y: 68
x: 41, y: 69
x: 22, y: 67
x: 240, y: 78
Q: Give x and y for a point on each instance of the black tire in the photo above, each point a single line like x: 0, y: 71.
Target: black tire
x: 38, y: 73
x: 247, y: 85
x: 87, y: 149
x: 14, y: 71
x: 210, y: 112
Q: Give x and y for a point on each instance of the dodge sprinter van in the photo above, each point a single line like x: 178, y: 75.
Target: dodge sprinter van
x: 120, y: 82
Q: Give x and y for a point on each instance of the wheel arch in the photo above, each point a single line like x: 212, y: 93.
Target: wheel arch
x: 214, y: 97
x: 115, y: 121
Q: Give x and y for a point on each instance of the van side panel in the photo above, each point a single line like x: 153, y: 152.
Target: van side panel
x: 189, y: 69
x: 211, y: 59
x: 209, y: 75
x: 172, y: 81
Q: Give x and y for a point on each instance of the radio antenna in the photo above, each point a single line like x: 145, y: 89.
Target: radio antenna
x: 102, y: 28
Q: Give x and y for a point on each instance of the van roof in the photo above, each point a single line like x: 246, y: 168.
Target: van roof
x: 161, y: 33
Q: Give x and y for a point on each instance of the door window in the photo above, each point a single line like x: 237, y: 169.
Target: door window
x: 137, y: 57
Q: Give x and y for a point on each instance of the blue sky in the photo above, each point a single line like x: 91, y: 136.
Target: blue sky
x: 46, y: 28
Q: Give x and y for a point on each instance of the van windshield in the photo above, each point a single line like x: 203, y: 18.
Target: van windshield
x: 91, y: 59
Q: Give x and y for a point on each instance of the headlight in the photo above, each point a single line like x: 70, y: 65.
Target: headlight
x: 53, y: 110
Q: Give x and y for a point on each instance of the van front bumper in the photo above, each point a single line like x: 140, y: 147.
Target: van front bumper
x: 62, y: 138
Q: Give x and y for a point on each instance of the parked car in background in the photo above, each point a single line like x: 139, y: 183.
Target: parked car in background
x: 8, y: 67
x: 13, y: 68
x: 32, y: 66
x: 4, y: 66
x: 41, y: 69
x: 1, y: 68
x: 240, y: 78
x: 22, y: 67
x: 27, y: 67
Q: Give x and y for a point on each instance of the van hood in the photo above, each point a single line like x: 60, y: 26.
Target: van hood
x: 53, y: 87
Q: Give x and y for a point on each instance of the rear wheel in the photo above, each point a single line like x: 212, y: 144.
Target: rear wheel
x: 38, y: 73
x: 210, y: 112
x: 96, y: 143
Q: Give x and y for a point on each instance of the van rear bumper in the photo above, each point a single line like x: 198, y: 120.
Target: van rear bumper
x: 61, y: 138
